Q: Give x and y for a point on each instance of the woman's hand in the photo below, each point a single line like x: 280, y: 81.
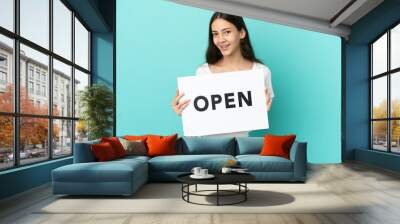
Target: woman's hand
x: 269, y: 99
x: 177, y: 106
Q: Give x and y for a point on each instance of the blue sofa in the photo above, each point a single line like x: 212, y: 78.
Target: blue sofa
x: 125, y: 176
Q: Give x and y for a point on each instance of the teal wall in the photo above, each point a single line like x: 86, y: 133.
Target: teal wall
x: 157, y: 41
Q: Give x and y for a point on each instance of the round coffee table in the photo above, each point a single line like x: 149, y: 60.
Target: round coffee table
x: 238, y: 179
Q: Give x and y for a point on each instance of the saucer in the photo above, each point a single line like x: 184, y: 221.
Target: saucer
x: 208, y: 176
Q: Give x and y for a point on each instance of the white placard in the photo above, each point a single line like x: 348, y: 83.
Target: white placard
x: 226, y: 102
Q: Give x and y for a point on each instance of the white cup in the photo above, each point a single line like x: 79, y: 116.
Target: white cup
x: 196, y: 171
x: 226, y: 170
x: 203, y: 172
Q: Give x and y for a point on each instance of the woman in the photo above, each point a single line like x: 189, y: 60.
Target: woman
x: 229, y: 49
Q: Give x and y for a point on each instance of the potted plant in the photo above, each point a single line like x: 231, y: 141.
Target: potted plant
x: 96, y: 102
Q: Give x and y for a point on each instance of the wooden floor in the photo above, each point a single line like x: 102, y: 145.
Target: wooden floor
x: 377, y: 188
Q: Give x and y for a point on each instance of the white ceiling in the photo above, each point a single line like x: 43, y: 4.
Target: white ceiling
x: 326, y: 16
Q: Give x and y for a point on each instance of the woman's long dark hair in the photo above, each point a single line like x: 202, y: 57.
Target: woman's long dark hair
x: 213, y: 54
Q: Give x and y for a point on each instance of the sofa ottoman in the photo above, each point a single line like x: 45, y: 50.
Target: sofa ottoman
x: 87, y: 177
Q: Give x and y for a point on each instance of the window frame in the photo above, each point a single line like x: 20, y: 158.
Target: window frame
x: 388, y: 74
x: 16, y: 115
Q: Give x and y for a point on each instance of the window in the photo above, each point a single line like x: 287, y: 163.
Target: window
x: 30, y: 87
x: 35, y: 21
x: 385, y: 91
x: 62, y: 140
x: 44, y: 131
x: 7, y: 14
x: 6, y: 74
x: 3, y: 78
x: 30, y: 72
x: 62, y: 30
x: 81, y: 81
x: 3, y: 61
x: 37, y: 75
x: 38, y: 89
x: 62, y: 74
x: 44, y: 91
x: 6, y: 142
x: 81, y: 45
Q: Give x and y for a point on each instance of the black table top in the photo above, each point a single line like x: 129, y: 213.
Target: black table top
x: 220, y: 178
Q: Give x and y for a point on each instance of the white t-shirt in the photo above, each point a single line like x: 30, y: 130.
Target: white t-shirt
x: 204, y: 69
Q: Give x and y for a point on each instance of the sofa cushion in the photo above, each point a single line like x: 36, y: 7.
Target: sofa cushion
x: 136, y: 137
x: 133, y: 158
x: 206, y: 145
x: 277, y: 145
x: 103, y: 152
x: 111, y: 171
x: 185, y: 163
x: 134, y: 147
x: 257, y: 163
x: 116, y: 145
x: 249, y: 145
x: 161, y: 145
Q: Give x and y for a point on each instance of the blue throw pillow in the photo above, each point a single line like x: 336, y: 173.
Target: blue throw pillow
x: 208, y: 145
x: 249, y: 145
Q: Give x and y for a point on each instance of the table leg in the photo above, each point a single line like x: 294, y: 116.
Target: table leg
x: 217, y: 194
x: 188, y: 190
x: 245, y: 193
x: 182, y: 189
x: 196, y: 188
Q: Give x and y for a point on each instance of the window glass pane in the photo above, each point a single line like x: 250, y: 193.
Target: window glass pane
x: 6, y: 142
x: 62, y: 138
x: 6, y: 74
x: 395, y: 136
x: 34, y: 79
x: 33, y: 140
x: 81, y: 45
x: 379, y: 135
x: 395, y: 47
x: 62, y: 29
x: 7, y: 14
x: 379, y: 97
x: 81, y: 81
x: 395, y: 94
x: 62, y: 89
x: 379, y: 55
x: 35, y: 21
x: 81, y: 131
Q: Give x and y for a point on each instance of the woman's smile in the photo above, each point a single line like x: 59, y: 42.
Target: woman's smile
x: 224, y: 47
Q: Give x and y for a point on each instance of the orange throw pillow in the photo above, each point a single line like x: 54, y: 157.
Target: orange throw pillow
x: 161, y: 145
x: 277, y: 145
x: 103, y: 151
x: 116, y: 145
x: 135, y: 138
